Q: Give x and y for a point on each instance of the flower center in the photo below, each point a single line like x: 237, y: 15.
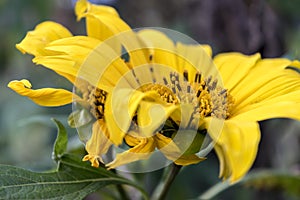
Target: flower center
x: 96, y: 99
x: 208, y: 98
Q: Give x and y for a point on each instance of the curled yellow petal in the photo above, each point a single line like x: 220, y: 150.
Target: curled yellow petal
x: 98, y: 144
x: 104, y: 23
x: 43, y: 97
x: 152, y: 115
x: 173, y: 152
x: 44, y: 33
x: 142, y: 150
x: 236, y: 147
x: 68, y: 54
x: 120, y: 107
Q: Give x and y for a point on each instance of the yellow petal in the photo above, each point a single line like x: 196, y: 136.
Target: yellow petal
x: 104, y: 67
x: 68, y: 54
x: 139, y: 152
x: 271, y: 78
x: 188, y: 160
x: 120, y: 107
x: 43, y: 97
x: 98, y: 144
x: 271, y: 81
x: 195, y: 58
x: 44, y: 33
x: 224, y: 166
x: 183, y: 115
x: 79, y: 57
x: 83, y: 5
x: 161, y: 47
x: 234, y: 67
x: 172, y: 152
x: 152, y: 115
x: 236, y: 147
x: 280, y: 109
x: 97, y: 26
x: 104, y: 24
x: 99, y: 20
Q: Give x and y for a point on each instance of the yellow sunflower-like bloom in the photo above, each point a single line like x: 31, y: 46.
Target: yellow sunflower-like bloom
x: 164, y: 91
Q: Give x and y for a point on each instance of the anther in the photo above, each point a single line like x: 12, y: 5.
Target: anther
x: 214, y: 84
x: 188, y: 88
x: 223, y: 91
x: 185, y: 75
x: 208, y: 80
x: 197, y: 77
x: 198, y: 93
x: 151, y: 57
x: 135, y: 77
x: 165, y: 81
x: 152, y: 74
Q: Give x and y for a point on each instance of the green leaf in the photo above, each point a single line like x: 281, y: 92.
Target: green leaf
x: 73, y: 180
x: 260, y: 179
x: 60, y: 145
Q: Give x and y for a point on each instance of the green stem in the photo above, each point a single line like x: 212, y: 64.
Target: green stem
x: 162, y: 190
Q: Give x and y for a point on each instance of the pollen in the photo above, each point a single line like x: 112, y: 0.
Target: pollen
x: 96, y: 99
x: 207, y: 97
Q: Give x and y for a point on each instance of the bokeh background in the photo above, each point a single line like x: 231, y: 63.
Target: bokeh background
x: 271, y: 27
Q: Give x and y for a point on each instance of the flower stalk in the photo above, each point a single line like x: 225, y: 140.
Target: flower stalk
x: 169, y: 176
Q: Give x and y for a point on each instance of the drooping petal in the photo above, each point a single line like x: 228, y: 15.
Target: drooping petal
x: 224, y: 165
x: 236, y: 146
x: 43, y: 97
x: 173, y: 152
x: 98, y: 144
x: 120, y: 107
x: 44, y: 33
x: 142, y: 150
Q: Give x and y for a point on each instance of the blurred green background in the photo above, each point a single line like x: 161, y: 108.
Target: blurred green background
x: 270, y: 27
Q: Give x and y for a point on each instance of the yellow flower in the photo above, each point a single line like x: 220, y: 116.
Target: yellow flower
x: 164, y: 96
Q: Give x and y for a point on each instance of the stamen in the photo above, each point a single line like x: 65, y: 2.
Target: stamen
x: 165, y: 81
x: 135, y: 77
x: 96, y: 99
x: 186, y: 75
x: 208, y: 80
x: 223, y: 91
x: 188, y: 88
x: 150, y: 57
x: 152, y: 74
x: 213, y: 85
x: 197, y: 77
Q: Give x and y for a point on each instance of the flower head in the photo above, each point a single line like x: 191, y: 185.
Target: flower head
x: 146, y: 92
